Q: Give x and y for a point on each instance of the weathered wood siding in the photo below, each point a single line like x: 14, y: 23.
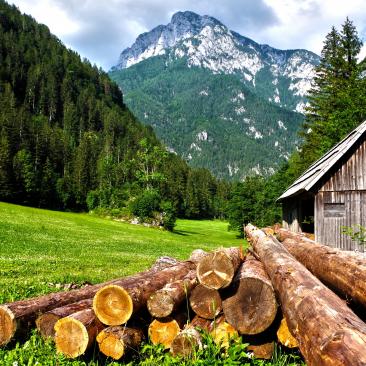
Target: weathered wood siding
x: 350, y: 175
x: 341, y: 201
x: 291, y: 215
x: 334, y: 210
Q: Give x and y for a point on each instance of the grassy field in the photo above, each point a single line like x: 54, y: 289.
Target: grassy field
x: 42, y: 250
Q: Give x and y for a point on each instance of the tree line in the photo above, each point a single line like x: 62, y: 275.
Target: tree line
x: 67, y: 141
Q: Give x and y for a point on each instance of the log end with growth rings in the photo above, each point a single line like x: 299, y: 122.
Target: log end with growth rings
x: 253, y: 308
x: 222, y: 333
x: 8, y: 325
x: 163, y: 331
x: 186, y: 343
x: 71, y: 337
x: 113, y: 305
x: 205, y: 302
x: 285, y: 337
x: 160, y: 304
x: 110, y: 345
x: 215, y: 270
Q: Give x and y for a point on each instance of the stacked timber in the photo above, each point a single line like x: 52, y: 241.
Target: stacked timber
x: 327, y: 331
x: 264, y: 296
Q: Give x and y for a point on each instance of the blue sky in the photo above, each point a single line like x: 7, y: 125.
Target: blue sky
x: 100, y: 30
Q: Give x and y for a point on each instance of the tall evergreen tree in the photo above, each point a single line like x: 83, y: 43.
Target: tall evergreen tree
x: 337, y: 98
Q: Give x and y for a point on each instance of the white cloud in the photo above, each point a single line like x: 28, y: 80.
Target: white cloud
x: 101, y: 30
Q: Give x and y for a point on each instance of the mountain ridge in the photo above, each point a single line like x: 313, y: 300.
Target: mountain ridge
x: 191, y: 43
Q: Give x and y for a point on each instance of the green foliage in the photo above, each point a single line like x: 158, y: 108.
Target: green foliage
x: 146, y: 204
x: 337, y: 101
x: 169, y: 216
x: 356, y: 232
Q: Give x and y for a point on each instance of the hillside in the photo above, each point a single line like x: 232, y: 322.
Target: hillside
x: 201, y: 85
x: 68, y: 141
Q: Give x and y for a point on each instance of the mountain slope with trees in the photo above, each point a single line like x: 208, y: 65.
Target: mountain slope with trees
x: 218, y: 99
x: 68, y: 141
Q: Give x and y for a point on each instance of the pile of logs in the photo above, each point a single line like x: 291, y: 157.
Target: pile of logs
x: 274, y: 292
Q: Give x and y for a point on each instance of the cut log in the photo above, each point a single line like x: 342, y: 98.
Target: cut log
x: 205, y: 302
x: 46, y: 322
x: 197, y: 255
x: 217, y: 269
x: 76, y: 333
x: 263, y: 351
x: 189, y: 339
x: 115, y: 304
x: 164, y: 331
x: 285, y: 337
x: 250, y: 304
x: 19, y: 315
x: 327, y: 331
x: 162, y: 303
x: 116, y: 341
x: 222, y: 332
x: 343, y: 271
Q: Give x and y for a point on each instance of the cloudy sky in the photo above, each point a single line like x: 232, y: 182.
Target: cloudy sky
x: 100, y: 30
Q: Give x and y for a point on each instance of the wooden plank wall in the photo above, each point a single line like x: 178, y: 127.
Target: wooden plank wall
x: 341, y: 201
x: 334, y: 210
x: 291, y: 215
x: 351, y: 175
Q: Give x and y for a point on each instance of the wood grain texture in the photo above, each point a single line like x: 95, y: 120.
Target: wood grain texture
x: 217, y: 269
x: 250, y: 304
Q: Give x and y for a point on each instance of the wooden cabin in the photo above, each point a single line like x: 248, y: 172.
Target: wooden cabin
x: 331, y: 194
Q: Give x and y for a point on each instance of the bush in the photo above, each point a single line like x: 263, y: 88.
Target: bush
x: 169, y: 216
x: 146, y: 204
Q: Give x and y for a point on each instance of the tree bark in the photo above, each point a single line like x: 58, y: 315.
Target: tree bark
x: 20, y: 314
x: 76, y: 333
x: 327, y: 331
x: 162, y: 303
x: 115, y: 304
x: 116, y: 341
x: 205, y: 302
x: 46, y: 322
x: 217, y: 269
x: 250, y: 305
x: 343, y: 271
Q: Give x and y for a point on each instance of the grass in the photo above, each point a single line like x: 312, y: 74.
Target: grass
x: 41, y: 250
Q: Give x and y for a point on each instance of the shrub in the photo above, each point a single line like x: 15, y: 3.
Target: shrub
x: 169, y: 215
x: 146, y: 204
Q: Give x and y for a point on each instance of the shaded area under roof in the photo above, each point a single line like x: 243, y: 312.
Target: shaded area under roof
x: 318, y: 169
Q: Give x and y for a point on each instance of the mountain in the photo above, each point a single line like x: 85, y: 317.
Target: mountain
x: 67, y: 140
x: 217, y: 98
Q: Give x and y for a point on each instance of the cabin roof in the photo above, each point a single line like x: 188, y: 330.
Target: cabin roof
x: 322, y: 166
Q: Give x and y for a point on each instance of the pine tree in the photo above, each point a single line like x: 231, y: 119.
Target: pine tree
x: 337, y: 98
